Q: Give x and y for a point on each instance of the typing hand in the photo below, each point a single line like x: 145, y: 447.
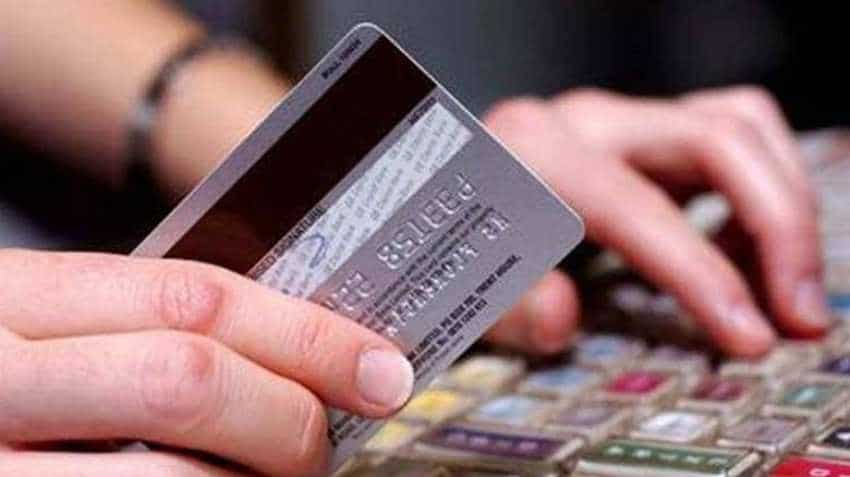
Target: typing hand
x: 627, y: 164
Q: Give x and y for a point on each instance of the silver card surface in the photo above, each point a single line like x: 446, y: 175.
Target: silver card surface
x: 372, y: 191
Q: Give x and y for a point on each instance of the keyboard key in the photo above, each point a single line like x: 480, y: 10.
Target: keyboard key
x: 393, y: 436
x: 816, y: 402
x: 835, y: 369
x: 593, y: 421
x: 777, y: 364
x: 728, y: 398
x: 608, y: 353
x: 719, y: 390
x: 639, y: 387
x: 485, y: 374
x: 565, y: 382
x: 512, y: 410
x: 804, y: 466
x: 833, y: 442
x: 437, y: 405
x: 515, y: 450
x: 769, y: 435
x: 626, y: 457
x: 689, y: 365
x: 680, y: 427
x: 839, y: 366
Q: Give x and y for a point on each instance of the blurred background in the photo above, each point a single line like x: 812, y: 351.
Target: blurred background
x: 482, y: 50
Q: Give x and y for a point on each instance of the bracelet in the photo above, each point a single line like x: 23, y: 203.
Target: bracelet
x: 143, y: 117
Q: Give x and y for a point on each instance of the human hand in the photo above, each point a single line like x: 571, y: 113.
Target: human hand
x: 179, y: 354
x: 626, y: 164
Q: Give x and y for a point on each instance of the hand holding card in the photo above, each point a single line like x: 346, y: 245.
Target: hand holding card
x: 372, y: 191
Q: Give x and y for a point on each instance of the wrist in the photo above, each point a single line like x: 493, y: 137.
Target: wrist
x: 212, y: 103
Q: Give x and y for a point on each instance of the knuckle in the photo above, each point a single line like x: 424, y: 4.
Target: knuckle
x: 305, y: 337
x: 188, y: 299
x: 517, y: 114
x: 711, y: 273
x: 723, y: 128
x: 587, y: 115
x: 717, y: 134
x: 755, y: 98
x: 727, y: 283
x: 590, y: 103
x: 179, y: 380
x: 733, y: 286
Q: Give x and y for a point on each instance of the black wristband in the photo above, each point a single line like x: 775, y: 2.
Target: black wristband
x: 143, y: 117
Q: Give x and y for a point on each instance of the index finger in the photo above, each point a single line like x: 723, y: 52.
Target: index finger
x: 761, y: 110
x: 59, y: 295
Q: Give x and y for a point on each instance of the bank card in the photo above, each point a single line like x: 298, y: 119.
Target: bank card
x: 372, y: 191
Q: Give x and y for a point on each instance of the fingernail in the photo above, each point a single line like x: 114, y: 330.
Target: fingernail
x: 810, y: 303
x: 749, y: 322
x: 384, y: 378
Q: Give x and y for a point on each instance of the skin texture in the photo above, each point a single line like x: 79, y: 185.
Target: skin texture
x: 96, y: 347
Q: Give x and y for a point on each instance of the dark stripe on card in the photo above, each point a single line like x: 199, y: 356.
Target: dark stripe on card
x: 315, y: 154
